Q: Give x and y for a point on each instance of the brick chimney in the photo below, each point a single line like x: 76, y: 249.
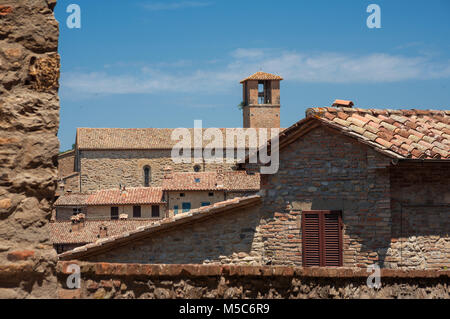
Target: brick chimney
x: 342, y: 103
x: 103, y: 231
x: 78, y: 222
x: 220, y: 177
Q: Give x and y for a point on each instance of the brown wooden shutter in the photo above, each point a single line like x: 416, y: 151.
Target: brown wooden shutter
x: 322, y: 238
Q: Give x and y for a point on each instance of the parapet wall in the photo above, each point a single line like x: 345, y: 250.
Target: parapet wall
x: 105, y: 280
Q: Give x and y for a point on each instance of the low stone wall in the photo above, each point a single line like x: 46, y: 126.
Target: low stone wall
x: 106, y: 280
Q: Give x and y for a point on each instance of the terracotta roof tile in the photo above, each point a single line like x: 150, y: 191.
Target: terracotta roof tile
x: 228, y: 181
x: 130, y: 196
x: 407, y: 133
x: 72, y: 200
x: 262, y: 76
x: 61, y: 231
x: 138, y: 138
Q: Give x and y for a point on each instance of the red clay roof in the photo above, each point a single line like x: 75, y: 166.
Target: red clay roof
x: 416, y: 134
x: 131, y: 196
x: 227, y: 181
x: 60, y: 231
x: 164, y: 224
x: 138, y: 138
x: 262, y: 76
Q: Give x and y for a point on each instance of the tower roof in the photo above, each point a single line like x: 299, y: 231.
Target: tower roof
x: 262, y: 76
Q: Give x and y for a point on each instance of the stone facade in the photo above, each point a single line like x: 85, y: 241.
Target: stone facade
x: 129, y: 281
x: 261, y: 116
x: 234, y: 238
x: 196, y: 199
x: 29, y: 119
x: 104, y: 169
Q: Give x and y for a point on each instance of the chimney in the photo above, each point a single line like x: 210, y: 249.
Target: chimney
x: 220, y: 176
x: 123, y: 216
x: 103, y: 231
x: 75, y: 223
x: 81, y: 219
x: 342, y: 103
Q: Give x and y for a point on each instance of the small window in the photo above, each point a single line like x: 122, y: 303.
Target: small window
x: 186, y: 207
x: 147, y: 176
x: 76, y: 211
x: 114, y: 213
x: 181, y: 194
x: 205, y: 204
x: 175, y: 209
x: 210, y: 194
x: 197, y: 180
x: 136, y: 211
x: 155, y: 211
x: 197, y: 168
x: 322, y: 238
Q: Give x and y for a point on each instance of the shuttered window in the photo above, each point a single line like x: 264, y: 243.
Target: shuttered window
x: 114, y: 213
x: 322, y: 238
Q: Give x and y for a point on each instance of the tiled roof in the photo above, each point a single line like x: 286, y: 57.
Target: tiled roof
x: 346, y: 103
x: 135, y: 138
x: 229, y: 181
x: 129, y: 196
x: 60, y: 231
x: 261, y: 76
x: 164, y: 224
x: 417, y: 134
x: 72, y: 200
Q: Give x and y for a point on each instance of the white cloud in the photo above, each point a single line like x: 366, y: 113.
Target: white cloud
x: 160, y: 6
x: 294, y: 66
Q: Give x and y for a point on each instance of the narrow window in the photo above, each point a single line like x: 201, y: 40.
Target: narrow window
x: 181, y: 194
x: 155, y: 211
x: 205, y: 203
x: 114, y: 213
x: 175, y: 209
x: 210, y: 194
x: 136, y: 211
x: 322, y: 238
x: 186, y: 207
x: 147, y: 176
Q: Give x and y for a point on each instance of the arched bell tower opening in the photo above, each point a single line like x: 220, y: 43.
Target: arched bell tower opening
x: 261, y: 97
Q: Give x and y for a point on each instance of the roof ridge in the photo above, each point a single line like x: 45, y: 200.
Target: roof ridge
x: 407, y: 112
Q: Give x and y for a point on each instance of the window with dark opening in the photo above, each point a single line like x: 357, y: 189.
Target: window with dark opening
x: 181, y: 194
x: 322, y: 238
x: 186, y: 207
x: 147, y: 176
x: 155, y: 211
x: 114, y: 213
x: 136, y: 211
x: 205, y: 204
x: 210, y: 194
x: 175, y: 209
x: 197, y: 168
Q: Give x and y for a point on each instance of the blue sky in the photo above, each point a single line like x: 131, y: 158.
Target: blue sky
x: 140, y: 63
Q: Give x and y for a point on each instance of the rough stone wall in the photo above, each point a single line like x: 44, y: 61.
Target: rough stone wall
x: 126, y: 281
x: 231, y: 238
x: 420, y: 215
x: 324, y: 170
x: 108, y: 169
x: 29, y: 119
x: 66, y: 164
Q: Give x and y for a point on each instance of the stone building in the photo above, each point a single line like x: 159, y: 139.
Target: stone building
x: 354, y: 187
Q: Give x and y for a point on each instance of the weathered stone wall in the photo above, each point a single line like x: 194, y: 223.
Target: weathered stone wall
x: 29, y: 119
x: 324, y: 170
x: 210, y: 281
x: 66, y: 163
x: 231, y: 238
x: 261, y: 116
x: 420, y: 215
x: 108, y: 169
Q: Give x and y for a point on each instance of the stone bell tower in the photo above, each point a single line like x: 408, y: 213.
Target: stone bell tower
x: 261, y: 100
